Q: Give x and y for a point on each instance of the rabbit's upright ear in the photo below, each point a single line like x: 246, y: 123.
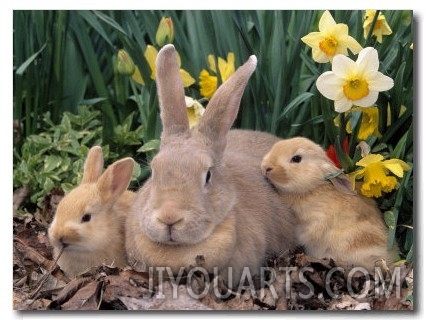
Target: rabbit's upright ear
x: 171, y: 93
x: 223, y: 107
x: 340, y: 181
x: 116, y: 178
x: 93, y: 166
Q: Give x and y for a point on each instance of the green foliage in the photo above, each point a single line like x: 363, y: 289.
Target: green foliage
x: 66, y: 58
x: 55, y: 157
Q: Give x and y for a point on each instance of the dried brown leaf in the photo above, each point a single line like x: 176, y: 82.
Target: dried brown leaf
x: 86, y: 298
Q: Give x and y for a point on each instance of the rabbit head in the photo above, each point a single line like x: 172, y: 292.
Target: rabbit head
x: 189, y: 191
x: 89, y: 222
x: 299, y: 165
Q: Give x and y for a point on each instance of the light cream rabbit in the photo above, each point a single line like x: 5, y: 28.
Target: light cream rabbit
x: 334, y: 221
x: 207, y: 196
x: 89, y: 221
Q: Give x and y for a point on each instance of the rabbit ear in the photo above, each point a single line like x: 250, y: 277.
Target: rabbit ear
x: 343, y: 184
x: 171, y: 93
x: 116, y: 178
x: 93, y: 166
x: 339, y: 180
x: 223, y: 107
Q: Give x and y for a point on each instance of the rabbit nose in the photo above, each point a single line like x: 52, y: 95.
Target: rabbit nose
x: 169, y: 220
x: 266, y: 170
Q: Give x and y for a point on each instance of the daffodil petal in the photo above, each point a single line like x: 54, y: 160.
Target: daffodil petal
x: 396, y: 166
x: 368, y: 100
x: 369, y: 159
x: 313, y: 39
x: 329, y: 85
x: 326, y: 21
x: 340, y: 32
x: 137, y: 76
x: 208, y: 84
x: 358, y: 174
x: 342, y: 105
x: 226, y: 68
x: 380, y: 82
x: 231, y: 58
x: 368, y: 60
x: 353, y: 45
x: 319, y: 56
x: 150, y: 56
x: 186, y: 78
x: 212, y: 63
x: 342, y: 66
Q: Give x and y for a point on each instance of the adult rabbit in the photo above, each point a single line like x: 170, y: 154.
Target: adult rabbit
x: 206, y: 195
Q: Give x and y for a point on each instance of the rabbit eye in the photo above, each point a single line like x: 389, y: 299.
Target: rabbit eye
x: 86, y: 217
x: 208, y: 176
x: 296, y: 159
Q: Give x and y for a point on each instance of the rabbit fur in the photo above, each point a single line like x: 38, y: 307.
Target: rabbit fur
x: 334, y: 221
x: 89, y: 221
x: 206, y: 195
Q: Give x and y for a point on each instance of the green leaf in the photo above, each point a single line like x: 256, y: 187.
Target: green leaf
x: 409, y: 256
x: 52, y: 162
x: 295, y: 103
x: 150, y: 146
x: 94, y: 23
x: 398, y: 151
x: 334, y: 174
x: 30, y: 60
x: 67, y: 187
x: 48, y: 185
x: 410, y: 297
x: 109, y: 21
x: 398, y: 92
x: 390, y: 219
x: 136, y: 172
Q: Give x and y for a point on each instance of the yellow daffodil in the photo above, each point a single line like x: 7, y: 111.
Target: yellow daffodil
x: 369, y: 123
x: 331, y: 39
x: 126, y: 66
x: 194, y: 110
x: 375, y: 174
x: 209, y: 83
x: 165, y: 32
x: 150, y: 56
x: 381, y: 27
x: 354, y: 82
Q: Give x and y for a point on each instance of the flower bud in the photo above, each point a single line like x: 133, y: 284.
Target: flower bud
x: 125, y: 64
x: 165, y: 32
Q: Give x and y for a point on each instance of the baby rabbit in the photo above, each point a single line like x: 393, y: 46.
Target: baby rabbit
x: 206, y: 195
x: 89, y: 221
x: 334, y: 221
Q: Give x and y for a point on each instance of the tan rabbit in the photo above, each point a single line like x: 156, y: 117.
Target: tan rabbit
x: 207, y: 196
x: 89, y: 221
x: 334, y: 221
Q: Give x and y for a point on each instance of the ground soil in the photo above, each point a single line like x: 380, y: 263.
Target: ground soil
x: 293, y: 281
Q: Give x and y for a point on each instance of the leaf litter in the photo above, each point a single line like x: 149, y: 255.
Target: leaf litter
x: 296, y: 282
